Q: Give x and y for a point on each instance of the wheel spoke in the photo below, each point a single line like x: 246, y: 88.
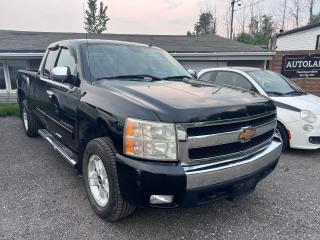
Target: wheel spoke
x: 93, y: 182
x: 103, y: 194
x: 96, y: 163
x: 93, y: 179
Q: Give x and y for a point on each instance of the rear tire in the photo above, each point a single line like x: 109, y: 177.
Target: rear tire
x: 110, y: 205
x: 30, y: 122
x: 284, y: 136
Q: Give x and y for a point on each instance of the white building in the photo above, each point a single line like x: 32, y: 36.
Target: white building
x: 303, y: 38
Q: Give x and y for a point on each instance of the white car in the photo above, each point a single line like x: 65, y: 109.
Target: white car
x: 298, y: 112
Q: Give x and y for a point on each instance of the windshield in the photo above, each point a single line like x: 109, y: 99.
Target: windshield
x: 122, y: 61
x: 273, y: 83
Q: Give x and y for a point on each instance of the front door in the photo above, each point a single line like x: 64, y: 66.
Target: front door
x: 63, y: 99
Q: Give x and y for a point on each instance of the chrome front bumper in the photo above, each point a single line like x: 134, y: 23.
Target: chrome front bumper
x: 206, y: 176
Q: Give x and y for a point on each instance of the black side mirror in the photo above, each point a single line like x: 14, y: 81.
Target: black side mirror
x: 193, y: 73
x: 62, y: 74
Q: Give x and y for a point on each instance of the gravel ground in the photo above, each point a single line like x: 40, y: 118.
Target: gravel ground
x: 42, y: 197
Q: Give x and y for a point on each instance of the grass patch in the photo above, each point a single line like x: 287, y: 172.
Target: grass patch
x: 9, y: 109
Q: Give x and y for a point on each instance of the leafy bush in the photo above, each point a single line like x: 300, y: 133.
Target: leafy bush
x: 9, y: 109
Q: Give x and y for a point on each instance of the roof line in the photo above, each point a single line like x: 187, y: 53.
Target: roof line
x: 266, y: 53
x: 300, y: 29
x: 94, y: 34
x: 175, y: 54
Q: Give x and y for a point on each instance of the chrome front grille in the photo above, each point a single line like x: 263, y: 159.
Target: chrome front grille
x: 220, y: 141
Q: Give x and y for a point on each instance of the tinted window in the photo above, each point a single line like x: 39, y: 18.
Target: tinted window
x: 234, y: 79
x: 206, y: 77
x: 110, y: 60
x: 50, y: 62
x: 67, y: 60
x: 13, y: 71
x: 2, y: 79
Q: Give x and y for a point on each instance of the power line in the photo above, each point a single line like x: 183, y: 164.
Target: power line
x: 249, y: 5
x: 233, y: 2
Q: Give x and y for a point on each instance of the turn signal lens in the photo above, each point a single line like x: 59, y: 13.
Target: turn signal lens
x: 150, y: 140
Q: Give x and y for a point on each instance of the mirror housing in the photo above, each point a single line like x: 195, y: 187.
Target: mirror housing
x: 193, y: 73
x: 61, y: 74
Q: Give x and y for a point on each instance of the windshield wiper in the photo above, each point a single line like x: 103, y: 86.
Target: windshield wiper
x: 136, y: 76
x: 177, y: 77
x: 276, y: 93
x: 296, y: 92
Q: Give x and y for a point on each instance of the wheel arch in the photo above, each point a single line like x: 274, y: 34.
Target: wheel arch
x: 20, y: 95
x: 92, y: 128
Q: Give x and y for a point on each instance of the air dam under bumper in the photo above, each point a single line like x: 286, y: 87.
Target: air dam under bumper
x: 139, y: 180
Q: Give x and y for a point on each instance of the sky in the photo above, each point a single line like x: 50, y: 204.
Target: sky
x: 127, y: 16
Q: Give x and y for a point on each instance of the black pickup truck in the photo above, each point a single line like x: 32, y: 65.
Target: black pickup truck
x: 142, y: 131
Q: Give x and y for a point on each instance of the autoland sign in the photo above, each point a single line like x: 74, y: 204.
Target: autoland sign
x: 301, y: 66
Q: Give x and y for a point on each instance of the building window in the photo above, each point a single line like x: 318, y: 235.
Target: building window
x: 13, y: 72
x: 318, y: 43
x: 2, y: 78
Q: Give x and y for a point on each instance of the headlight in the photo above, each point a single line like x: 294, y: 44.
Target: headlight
x: 150, y: 140
x: 308, y: 116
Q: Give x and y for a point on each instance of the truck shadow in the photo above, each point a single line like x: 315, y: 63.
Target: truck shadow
x: 190, y: 223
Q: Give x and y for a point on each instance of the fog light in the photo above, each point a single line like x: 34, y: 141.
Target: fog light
x: 161, y: 199
x: 308, y: 127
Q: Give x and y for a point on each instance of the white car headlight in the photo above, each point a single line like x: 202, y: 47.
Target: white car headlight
x: 150, y: 140
x: 308, y: 116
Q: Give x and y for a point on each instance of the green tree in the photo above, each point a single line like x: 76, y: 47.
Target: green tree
x: 267, y: 26
x: 207, y: 24
x: 314, y: 19
x: 260, y: 31
x: 96, y: 22
x: 245, y: 38
x: 254, y: 26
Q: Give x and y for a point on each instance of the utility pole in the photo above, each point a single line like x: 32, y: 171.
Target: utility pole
x: 232, y: 15
x: 233, y: 2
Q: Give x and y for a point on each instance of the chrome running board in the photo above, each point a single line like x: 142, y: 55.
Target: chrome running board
x: 65, y: 152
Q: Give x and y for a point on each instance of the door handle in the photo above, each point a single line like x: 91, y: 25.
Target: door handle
x: 50, y: 93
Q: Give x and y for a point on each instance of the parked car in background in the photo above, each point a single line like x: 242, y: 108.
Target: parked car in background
x: 142, y: 130
x: 298, y: 112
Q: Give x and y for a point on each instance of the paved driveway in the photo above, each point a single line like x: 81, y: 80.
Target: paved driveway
x: 41, y: 197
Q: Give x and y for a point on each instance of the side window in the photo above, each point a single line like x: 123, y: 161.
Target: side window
x: 2, y: 79
x: 67, y: 60
x: 50, y: 62
x: 13, y: 71
x: 318, y: 43
x: 206, y: 77
x: 234, y: 79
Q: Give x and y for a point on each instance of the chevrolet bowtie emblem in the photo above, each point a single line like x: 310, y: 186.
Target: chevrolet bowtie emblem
x: 246, y: 134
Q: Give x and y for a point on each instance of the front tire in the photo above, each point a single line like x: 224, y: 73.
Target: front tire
x: 101, y: 181
x: 30, y: 123
x: 284, y: 136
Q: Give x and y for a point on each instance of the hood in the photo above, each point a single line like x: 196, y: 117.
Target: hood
x: 191, y: 101
x: 302, y: 102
